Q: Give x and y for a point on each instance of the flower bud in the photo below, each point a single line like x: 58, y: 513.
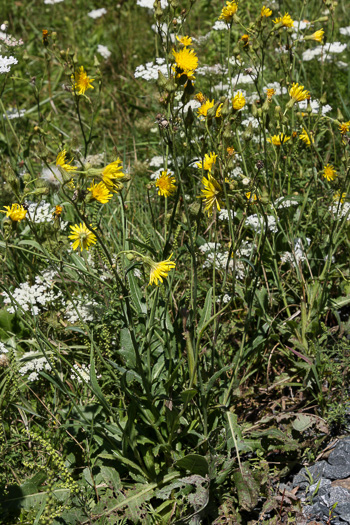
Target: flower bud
x: 161, y: 81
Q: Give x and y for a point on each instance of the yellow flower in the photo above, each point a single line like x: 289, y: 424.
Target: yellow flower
x: 329, y: 172
x: 286, y: 20
x: 317, y: 35
x: 218, y: 111
x: 100, y: 192
x: 265, y: 11
x: 230, y: 151
x: 16, y: 212
x: 185, y: 40
x: 238, y: 102
x: 251, y: 197
x: 269, y: 93
x: 228, y: 11
x: 203, y: 110
x: 186, y: 60
x: 159, y: 270
x: 212, y: 194
x: 81, y: 81
x: 277, y: 140
x: 61, y: 161
x: 306, y: 138
x: 111, y: 172
x: 81, y: 236
x: 245, y: 39
x: 58, y: 211
x: 344, y: 127
x: 166, y: 184
x: 200, y: 97
x: 339, y: 197
x: 209, y: 161
x: 298, y: 93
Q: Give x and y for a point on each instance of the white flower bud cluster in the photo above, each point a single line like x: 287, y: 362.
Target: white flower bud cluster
x: 33, y: 365
x: 257, y: 223
x: 33, y: 298
x: 150, y: 70
x: 80, y: 309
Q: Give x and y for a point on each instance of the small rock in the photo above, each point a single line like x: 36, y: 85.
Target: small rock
x: 337, y: 471
x: 319, y: 511
x: 343, y: 511
x: 316, y: 471
x: 338, y: 495
x: 322, y: 483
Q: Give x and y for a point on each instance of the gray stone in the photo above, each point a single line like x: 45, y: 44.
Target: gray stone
x: 319, y: 511
x: 340, y: 455
x: 322, y: 483
x: 338, y: 495
x: 343, y: 511
x: 337, y: 471
x: 316, y: 471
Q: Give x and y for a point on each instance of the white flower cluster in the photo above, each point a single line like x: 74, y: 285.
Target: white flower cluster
x: 315, y: 106
x: 220, y: 25
x: 14, y: 113
x: 6, y: 63
x: 150, y: 70
x: 103, y: 51
x: 85, y: 307
x: 97, y: 13
x: 33, y: 365
x: 150, y: 3
x: 279, y: 90
x: 81, y: 373
x: 33, y: 298
x: 216, y: 69
x: 52, y: 2
x: 343, y: 211
x: 157, y: 161
x: 3, y: 349
x: 257, y: 223
x: 209, y: 247
x: 42, y: 212
x: 345, y: 31
x: 224, y: 215
x: 250, y: 120
x: 281, y: 202
x: 322, y: 51
x: 298, y: 254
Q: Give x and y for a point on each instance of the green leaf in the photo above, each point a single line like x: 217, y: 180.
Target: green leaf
x: 302, y: 422
x: 195, y: 463
x: 247, y: 488
x: 127, y: 348
x: 206, y: 312
x: 95, y: 386
x: 136, y: 295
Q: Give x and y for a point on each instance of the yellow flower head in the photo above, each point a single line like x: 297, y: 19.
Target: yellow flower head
x: 318, y: 36
x: 265, y: 11
x: 298, y: 93
x: 81, y: 81
x: 209, y: 161
x: 185, y: 40
x: 186, y: 61
x: 212, y: 194
x: 245, y: 39
x: 286, y: 20
x: 61, y: 161
x: 251, y: 197
x: 218, y: 111
x: 203, y: 110
x: 269, y: 93
x: 200, y: 97
x: 339, y: 197
x: 306, y: 138
x: 228, y: 11
x: 16, y: 212
x: 58, y: 211
x: 277, y: 140
x: 238, y: 101
x: 112, y: 172
x: 100, y: 192
x: 344, y: 127
x: 329, y: 172
x: 81, y: 236
x: 230, y: 151
x: 159, y: 270
x: 166, y: 184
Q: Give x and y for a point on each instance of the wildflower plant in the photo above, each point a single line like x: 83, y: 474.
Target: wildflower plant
x: 174, y: 247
